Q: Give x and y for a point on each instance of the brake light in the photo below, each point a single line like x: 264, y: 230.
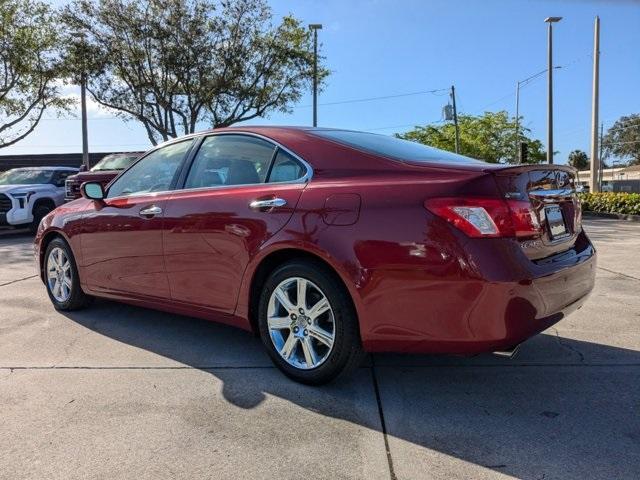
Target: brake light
x: 487, y: 217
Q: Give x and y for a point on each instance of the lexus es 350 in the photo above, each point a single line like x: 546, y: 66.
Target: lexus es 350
x: 327, y: 244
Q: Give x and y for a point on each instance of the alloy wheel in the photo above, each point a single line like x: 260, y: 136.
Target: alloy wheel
x: 59, y: 275
x: 301, y: 323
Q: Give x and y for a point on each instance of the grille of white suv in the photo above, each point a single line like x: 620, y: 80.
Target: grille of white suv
x: 5, y: 203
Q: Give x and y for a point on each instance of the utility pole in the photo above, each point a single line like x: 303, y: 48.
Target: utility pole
x: 595, y: 158
x: 550, y: 21
x: 315, y: 27
x: 83, y: 106
x: 600, y: 169
x: 455, y: 118
x: 517, y: 155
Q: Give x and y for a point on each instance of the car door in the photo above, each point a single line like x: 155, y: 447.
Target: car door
x: 122, y: 235
x: 239, y: 191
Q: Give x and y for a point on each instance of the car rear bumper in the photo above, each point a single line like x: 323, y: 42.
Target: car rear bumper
x: 414, y: 312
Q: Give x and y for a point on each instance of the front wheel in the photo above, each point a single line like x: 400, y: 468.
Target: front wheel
x: 61, y: 277
x: 308, y: 324
x: 39, y: 212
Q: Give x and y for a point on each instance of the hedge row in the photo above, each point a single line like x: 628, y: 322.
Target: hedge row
x: 610, y: 202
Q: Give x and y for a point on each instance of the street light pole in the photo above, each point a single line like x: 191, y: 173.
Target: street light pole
x: 550, y: 21
x: 315, y: 27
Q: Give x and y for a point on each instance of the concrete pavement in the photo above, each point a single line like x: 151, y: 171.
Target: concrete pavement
x: 122, y: 392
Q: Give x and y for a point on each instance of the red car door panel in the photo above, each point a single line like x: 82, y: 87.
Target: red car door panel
x: 122, y: 238
x: 210, y: 235
x: 122, y: 248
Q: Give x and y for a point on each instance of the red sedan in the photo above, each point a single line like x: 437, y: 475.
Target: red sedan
x: 328, y: 243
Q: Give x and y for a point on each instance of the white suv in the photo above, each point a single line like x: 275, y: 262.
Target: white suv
x: 28, y: 194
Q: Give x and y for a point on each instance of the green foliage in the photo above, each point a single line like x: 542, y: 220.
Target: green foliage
x: 623, y: 139
x: 579, y: 160
x: 611, y: 202
x: 29, y: 65
x: 490, y: 137
x: 178, y: 65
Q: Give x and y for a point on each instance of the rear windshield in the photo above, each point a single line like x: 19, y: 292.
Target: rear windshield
x: 393, y: 147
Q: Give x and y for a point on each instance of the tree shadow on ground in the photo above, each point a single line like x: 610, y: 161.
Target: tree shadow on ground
x: 562, y: 409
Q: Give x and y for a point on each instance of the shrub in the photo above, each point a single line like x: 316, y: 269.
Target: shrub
x: 610, y: 202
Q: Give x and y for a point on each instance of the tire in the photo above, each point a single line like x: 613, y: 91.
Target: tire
x: 39, y: 212
x: 310, y: 358
x: 70, y: 297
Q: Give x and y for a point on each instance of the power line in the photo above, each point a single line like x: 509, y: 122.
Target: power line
x: 400, y: 126
x: 371, y: 99
x: 340, y: 102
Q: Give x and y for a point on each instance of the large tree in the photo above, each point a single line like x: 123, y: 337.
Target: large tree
x: 175, y: 65
x: 490, y: 137
x: 579, y: 160
x: 29, y: 66
x: 623, y: 139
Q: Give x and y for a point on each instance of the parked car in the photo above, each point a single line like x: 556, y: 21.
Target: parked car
x: 328, y: 243
x: 104, y: 171
x: 28, y: 194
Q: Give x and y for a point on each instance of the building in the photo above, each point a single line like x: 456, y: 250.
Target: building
x: 617, y: 179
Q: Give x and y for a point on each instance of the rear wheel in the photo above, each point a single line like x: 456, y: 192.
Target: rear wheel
x: 61, y: 277
x: 308, y: 324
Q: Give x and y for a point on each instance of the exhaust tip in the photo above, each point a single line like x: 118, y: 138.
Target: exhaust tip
x: 508, y: 353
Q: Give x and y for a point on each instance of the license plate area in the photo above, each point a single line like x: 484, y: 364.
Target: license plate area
x: 555, y: 222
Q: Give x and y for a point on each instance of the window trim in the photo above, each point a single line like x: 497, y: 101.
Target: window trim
x: 277, y: 146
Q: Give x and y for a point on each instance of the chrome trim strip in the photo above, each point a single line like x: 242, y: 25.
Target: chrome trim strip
x: 304, y: 179
x: 561, y: 192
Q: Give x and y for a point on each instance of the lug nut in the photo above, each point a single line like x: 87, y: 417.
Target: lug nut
x: 301, y: 310
x: 293, y: 316
x: 306, y: 332
x: 295, y: 329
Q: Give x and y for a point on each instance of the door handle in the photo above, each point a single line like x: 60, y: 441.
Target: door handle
x: 268, y: 203
x: 151, y: 211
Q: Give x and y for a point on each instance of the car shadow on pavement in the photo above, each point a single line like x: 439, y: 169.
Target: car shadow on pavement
x: 562, y: 408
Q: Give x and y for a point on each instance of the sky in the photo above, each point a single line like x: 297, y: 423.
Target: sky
x: 380, y: 48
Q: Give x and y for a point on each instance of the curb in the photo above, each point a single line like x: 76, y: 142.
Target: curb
x: 617, y: 216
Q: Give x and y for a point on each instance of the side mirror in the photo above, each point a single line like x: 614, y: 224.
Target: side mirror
x: 92, y: 190
x: 83, y: 168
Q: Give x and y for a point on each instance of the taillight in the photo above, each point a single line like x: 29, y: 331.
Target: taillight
x: 487, y: 217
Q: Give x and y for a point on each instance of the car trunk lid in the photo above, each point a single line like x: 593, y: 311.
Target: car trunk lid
x: 551, y: 192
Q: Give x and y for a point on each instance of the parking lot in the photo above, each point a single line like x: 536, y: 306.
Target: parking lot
x: 122, y: 392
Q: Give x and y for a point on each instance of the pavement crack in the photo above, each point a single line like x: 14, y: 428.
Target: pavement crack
x: 619, y: 273
x: 567, y: 346
x: 18, y: 280
x: 392, y: 474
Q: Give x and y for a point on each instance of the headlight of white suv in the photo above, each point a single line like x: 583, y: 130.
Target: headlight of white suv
x: 22, y: 198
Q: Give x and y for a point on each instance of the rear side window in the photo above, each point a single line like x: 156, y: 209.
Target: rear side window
x: 285, y: 168
x: 393, y: 147
x: 230, y: 160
